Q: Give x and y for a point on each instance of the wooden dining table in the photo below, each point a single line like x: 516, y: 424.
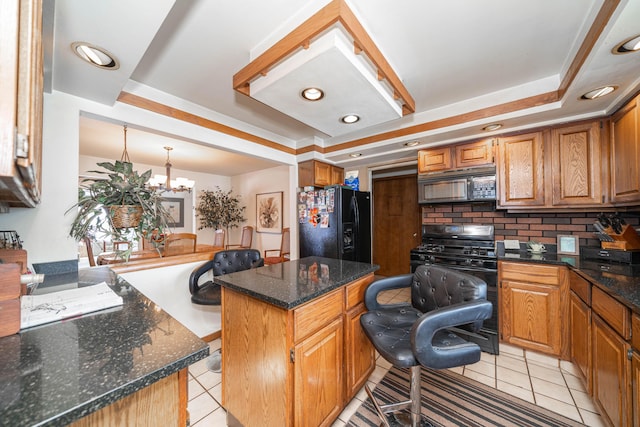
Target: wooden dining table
x: 107, y: 258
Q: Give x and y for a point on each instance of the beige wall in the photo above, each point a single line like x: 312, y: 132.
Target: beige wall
x: 268, y: 181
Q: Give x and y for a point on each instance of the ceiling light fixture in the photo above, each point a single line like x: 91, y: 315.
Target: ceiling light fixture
x: 350, y: 119
x: 354, y: 155
x: 629, y: 45
x: 599, y: 92
x: 312, y: 94
x: 492, y: 127
x: 165, y: 183
x: 329, y: 50
x: 95, y: 55
x: 411, y: 143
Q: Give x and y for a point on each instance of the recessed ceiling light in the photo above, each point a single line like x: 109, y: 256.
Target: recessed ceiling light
x: 95, y: 55
x: 312, y: 94
x: 411, y: 143
x: 354, y: 155
x: 350, y: 118
x: 597, y: 93
x: 492, y: 127
x: 630, y: 45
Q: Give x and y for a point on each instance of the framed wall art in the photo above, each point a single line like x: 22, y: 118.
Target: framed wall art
x: 175, y: 207
x: 269, y: 212
x: 568, y: 245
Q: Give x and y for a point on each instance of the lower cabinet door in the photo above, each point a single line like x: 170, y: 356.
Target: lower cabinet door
x: 635, y: 384
x: 611, y: 373
x: 318, y: 383
x: 530, y: 316
x: 580, y: 348
x: 359, y: 352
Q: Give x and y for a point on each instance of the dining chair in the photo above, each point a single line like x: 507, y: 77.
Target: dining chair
x: 89, y: 248
x: 245, y: 240
x: 180, y: 243
x: 283, y: 254
x: 218, y: 238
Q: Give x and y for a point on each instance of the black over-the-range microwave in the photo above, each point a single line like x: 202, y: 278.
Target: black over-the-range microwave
x: 465, y: 186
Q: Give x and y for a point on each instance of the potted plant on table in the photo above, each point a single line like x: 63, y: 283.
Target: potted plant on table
x: 120, y: 206
x: 219, y: 209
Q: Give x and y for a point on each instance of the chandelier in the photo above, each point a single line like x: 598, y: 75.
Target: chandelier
x: 165, y: 183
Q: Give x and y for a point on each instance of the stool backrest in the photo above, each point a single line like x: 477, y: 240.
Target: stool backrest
x: 435, y: 287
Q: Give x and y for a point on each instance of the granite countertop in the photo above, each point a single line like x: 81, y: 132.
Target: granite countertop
x: 54, y: 374
x: 292, y: 283
x: 621, y: 281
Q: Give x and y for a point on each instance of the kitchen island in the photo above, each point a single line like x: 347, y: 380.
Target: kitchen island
x: 122, y: 366
x: 293, y: 351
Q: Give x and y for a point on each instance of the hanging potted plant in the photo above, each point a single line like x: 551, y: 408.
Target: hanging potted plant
x: 120, y: 205
x: 219, y: 209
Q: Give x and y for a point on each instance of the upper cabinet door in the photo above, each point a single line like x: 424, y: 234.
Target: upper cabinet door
x: 434, y: 160
x: 21, y: 87
x: 479, y: 153
x: 521, y: 171
x: 576, y: 165
x: 625, y: 152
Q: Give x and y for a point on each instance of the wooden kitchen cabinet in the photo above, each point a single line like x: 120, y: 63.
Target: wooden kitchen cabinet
x: 359, y: 351
x: 459, y: 156
x: 580, y: 324
x: 534, y: 307
x: 21, y: 95
x: 635, y: 385
x: 474, y: 154
x: 625, y: 152
x: 318, y: 377
x: 580, y: 346
x: 520, y: 171
x: 319, y: 174
x: 576, y: 165
x: 611, y: 373
x: 435, y: 160
x: 635, y: 369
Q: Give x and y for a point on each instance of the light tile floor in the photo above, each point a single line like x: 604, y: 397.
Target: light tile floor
x: 537, y: 378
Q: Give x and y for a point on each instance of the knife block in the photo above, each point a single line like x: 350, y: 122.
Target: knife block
x: 627, y: 240
x: 10, y: 290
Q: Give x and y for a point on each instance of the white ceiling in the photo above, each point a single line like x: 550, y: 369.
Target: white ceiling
x: 454, y: 57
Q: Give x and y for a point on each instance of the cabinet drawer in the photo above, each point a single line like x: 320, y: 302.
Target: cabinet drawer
x: 635, y: 332
x: 611, y: 311
x: 581, y: 287
x: 355, y: 291
x: 315, y: 314
x: 530, y: 273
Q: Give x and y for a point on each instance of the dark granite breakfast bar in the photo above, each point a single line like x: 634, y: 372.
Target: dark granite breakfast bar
x: 58, y: 373
x: 293, y: 283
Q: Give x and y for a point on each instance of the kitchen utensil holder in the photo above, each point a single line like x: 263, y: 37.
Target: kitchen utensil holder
x: 628, y: 239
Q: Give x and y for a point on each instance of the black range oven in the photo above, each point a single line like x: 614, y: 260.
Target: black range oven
x: 469, y: 248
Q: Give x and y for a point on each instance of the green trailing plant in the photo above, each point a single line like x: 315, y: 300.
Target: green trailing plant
x: 219, y: 209
x: 119, y: 185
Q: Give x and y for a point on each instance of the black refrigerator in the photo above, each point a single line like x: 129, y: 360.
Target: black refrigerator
x: 335, y: 222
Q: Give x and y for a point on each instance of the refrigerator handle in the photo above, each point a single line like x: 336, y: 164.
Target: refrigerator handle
x: 356, y: 213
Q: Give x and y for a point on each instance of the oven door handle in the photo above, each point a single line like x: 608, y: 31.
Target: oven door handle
x: 468, y: 268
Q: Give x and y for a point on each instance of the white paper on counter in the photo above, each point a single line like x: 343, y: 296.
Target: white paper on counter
x: 38, y: 309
